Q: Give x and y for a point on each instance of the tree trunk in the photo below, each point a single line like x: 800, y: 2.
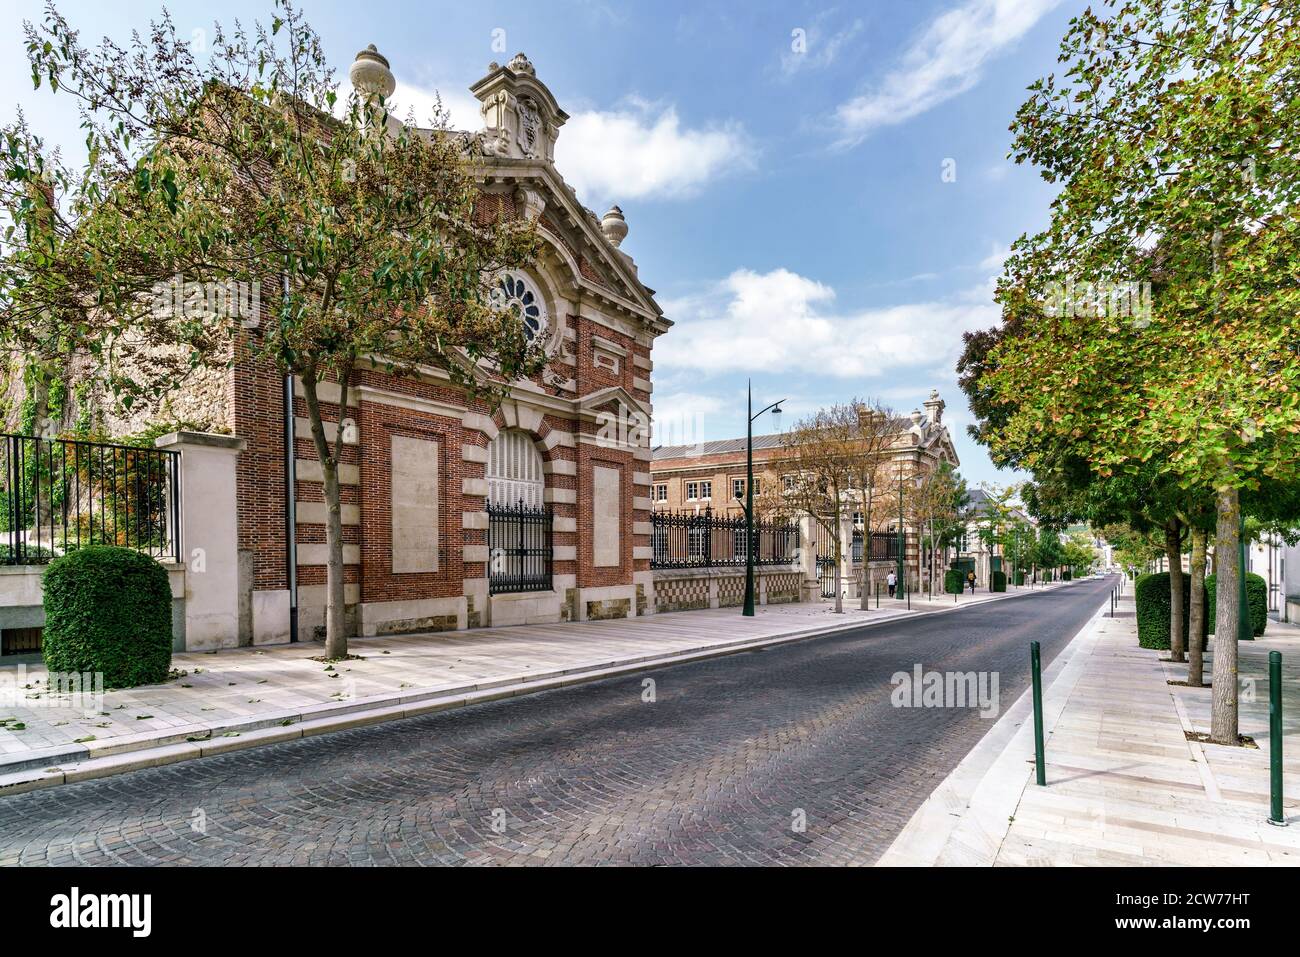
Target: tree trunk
x: 336, y: 636
x: 1174, y: 553
x: 1223, y: 714
x: 1196, y: 613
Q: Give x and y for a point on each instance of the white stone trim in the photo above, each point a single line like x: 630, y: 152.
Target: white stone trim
x: 558, y: 437
x: 560, y: 467
x: 317, y: 513
x: 317, y: 553
x: 564, y: 553
x: 483, y: 423
x: 474, y: 521
x: 564, y: 523
x: 474, y: 453
x: 641, y: 503
x: 309, y: 470
x: 474, y: 486
x: 560, y: 496
x: 474, y: 553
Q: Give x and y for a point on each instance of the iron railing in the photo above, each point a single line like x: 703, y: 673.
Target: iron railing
x: 519, y: 548
x: 57, y: 495
x: 884, y: 546
x: 705, y: 540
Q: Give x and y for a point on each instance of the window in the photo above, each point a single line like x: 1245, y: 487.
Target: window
x: 857, y: 519
x: 692, y: 491
x: 789, y: 482
x: 661, y: 493
x: 696, y: 542
x: 514, y: 471
x: 706, y: 490
x: 517, y: 294
x: 758, y: 487
x: 738, y: 488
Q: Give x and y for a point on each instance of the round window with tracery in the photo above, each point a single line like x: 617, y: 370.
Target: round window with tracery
x: 515, y: 293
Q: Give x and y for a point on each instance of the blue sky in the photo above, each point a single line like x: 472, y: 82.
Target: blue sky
x: 781, y: 167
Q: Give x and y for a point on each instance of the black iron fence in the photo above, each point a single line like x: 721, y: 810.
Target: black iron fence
x: 705, y: 540
x: 57, y: 495
x: 519, y: 548
x: 884, y: 547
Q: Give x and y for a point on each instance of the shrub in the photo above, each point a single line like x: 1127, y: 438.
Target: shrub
x: 108, y: 610
x: 998, y: 581
x: 954, y: 582
x: 1151, y: 593
x: 1020, y: 577
x: 1256, y: 600
x: 1066, y: 575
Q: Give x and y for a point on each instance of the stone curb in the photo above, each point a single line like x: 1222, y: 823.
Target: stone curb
x: 66, y: 764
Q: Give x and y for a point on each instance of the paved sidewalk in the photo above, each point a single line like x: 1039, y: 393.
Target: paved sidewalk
x: 1124, y: 784
x: 235, y: 698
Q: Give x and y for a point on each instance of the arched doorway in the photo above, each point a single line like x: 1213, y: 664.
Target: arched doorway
x: 514, y: 470
x: 519, y: 523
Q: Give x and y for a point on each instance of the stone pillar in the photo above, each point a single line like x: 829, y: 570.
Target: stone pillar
x: 808, y: 559
x: 209, y: 536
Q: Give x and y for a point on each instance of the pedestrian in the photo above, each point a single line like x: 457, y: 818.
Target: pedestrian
x: 893, y: 583
x: 970, y: 580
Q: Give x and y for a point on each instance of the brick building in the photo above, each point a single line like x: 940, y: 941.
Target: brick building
x: 455, y: 514
x: 688, y: 478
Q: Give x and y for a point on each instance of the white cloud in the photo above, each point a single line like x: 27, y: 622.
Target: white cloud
x: 946, y: 60
x: 637, y: 152
x: 781, y: 321
x: 461, y: 107
x: 998, y: 254
x: 820, y: 50
x: 644, y: 151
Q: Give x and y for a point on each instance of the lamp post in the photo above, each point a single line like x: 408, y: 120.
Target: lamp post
x: 775, y: 408
x: 902, y: 541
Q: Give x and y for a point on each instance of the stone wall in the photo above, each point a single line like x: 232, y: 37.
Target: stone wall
x: 691, y: 589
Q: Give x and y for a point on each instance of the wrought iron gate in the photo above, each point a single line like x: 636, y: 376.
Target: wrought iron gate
x: 826, y: 575
x: 519, y: 548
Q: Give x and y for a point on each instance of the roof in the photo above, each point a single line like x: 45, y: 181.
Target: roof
x: 775, y: 440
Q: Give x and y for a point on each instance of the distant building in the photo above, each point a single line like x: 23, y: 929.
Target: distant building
x: 712, y: 476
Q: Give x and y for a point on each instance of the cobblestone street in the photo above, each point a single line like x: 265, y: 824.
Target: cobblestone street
x: 719, y: 769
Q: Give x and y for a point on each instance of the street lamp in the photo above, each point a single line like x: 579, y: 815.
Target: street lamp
x: 775, y: 408
x: 902, y: 541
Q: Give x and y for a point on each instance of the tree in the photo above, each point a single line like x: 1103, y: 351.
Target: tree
x: 248, y: 168
x: 936, y: 506
x: 873, y: 434
x: 821, y: 467
x: 1168, y: 131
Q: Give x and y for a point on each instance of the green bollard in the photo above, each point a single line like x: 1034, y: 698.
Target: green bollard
x: 1035, y: 666
x: 1275, y: 738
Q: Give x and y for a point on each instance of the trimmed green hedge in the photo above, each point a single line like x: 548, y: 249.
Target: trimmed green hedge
x: 1151, y: 593
x: 1256, y: 599
x: 108, y: 610
x: 998, y: 582
x: 953, y: 581
x: 1066, y: 575
x: 1020, y: 577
